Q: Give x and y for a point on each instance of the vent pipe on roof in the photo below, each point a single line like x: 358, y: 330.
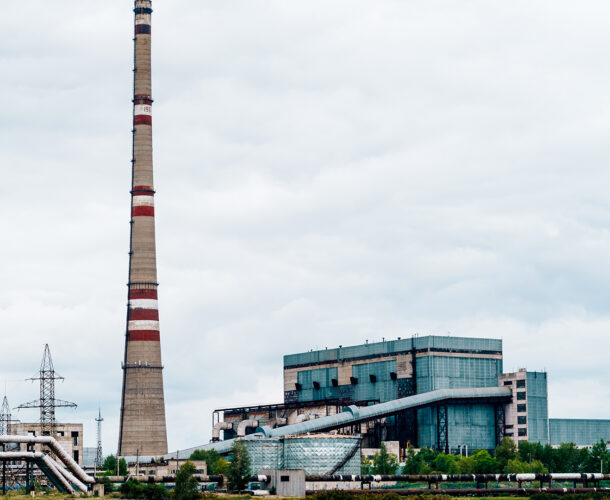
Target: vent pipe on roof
x: 220, y: 426
x: 246, y: 424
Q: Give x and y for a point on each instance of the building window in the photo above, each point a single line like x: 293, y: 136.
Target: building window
x: 393, y: 375
x: 508, y: 382
x: 75, y: 454
x: 353, y: 380
x: 31, y: 433
x: 335, y: 382
x: 60, y: 433
x: 522, y: 419
x: 522, y: 431
x: 285, y: 479
x: 521, y: 408
x: 316, y: 385
x: 373, y: 378
x: 521, y: 384
x: 298, y: 386
x: 75, y: 437
x: 521, y: 396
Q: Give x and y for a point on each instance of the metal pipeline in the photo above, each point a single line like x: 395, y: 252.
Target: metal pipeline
x: 57, y: 449
x: 39, y: 456
x: 479, y: 478
x: 304, y: 417
x: 160, y: 479
x: 482, y: 492
x: 220, y: 426
x: 246, y: 424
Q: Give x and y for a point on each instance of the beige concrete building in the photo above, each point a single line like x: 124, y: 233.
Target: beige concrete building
x: 69, y: 436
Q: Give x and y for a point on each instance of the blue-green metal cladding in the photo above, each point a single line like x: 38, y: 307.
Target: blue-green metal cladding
x: 582, y: 432
x: 537, y: 408
x: 471, y: 424
x: 323, y: 377
x: 464, y: 344
x: 374, y: 381
x: 444, y: 372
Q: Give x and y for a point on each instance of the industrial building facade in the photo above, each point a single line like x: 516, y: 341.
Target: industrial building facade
x: 69, y: 437
x: 323, y: 382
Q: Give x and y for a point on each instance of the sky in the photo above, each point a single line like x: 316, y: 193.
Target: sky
x: 327, y: 172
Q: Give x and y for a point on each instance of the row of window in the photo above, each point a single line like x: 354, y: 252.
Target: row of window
x: 352, y: 380
x: 520, y: 383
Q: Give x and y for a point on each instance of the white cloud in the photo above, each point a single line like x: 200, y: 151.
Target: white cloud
x: 326, y: 173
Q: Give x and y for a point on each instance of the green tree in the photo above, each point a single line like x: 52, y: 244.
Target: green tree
x: 506, y: 450
x: 187, y: 487
x: 516, y: 466
x: 464, y: 465
x: 484, y: 463
x: 239, y: 467
x: 598, y: 458
x: 110, y: 464
x: 412, y: 462
x: 384, y: 462
x: 443, y: 462
x: 365, y: 465
x: 214, y: 461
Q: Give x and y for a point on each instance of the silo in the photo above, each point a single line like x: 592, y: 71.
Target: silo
x: 323, y: 454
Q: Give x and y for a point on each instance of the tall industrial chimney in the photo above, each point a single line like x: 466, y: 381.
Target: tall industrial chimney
x: 142, y: 421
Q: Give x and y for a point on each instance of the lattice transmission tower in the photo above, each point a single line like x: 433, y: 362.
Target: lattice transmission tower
x: 5, y: 418
x: 99, y: 456
x: 47, y: 402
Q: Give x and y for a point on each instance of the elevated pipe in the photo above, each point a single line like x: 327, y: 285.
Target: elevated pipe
x: 480, y: 478
x: 304, y: 417
x: 35, y: 456
x: 246, y: 424
x: 220, y: 426
x: 353, y: 414
x: 160, y: 479
x: 57, y: 449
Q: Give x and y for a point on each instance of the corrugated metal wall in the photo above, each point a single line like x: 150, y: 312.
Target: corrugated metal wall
x: 583, y: 432
x: 473, y: 425
x: 383, y: 389
x: 322, y: 376
x: 443, y: 372
x: 537, y: 407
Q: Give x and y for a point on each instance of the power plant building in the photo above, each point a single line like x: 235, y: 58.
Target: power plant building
x: 323, y: 383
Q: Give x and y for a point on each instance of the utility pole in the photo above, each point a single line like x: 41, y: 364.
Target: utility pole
x: 47, y: 402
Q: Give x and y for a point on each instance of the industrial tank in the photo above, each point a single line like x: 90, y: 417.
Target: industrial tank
x: 266, y: 453
x: 323, y: 454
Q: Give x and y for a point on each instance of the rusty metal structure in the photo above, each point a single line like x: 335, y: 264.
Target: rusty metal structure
x: 142, y: 419
x: 47, y: 402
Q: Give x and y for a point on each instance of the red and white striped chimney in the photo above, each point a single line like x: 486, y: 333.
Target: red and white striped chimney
x: 142, y: 420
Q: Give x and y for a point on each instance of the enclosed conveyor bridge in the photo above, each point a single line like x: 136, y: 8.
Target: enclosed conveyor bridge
x: 352, y: 415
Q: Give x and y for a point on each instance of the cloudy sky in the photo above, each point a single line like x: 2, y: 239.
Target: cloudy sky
x: 326, y: 172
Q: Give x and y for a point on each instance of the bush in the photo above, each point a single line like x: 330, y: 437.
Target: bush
x: 136, y: 489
